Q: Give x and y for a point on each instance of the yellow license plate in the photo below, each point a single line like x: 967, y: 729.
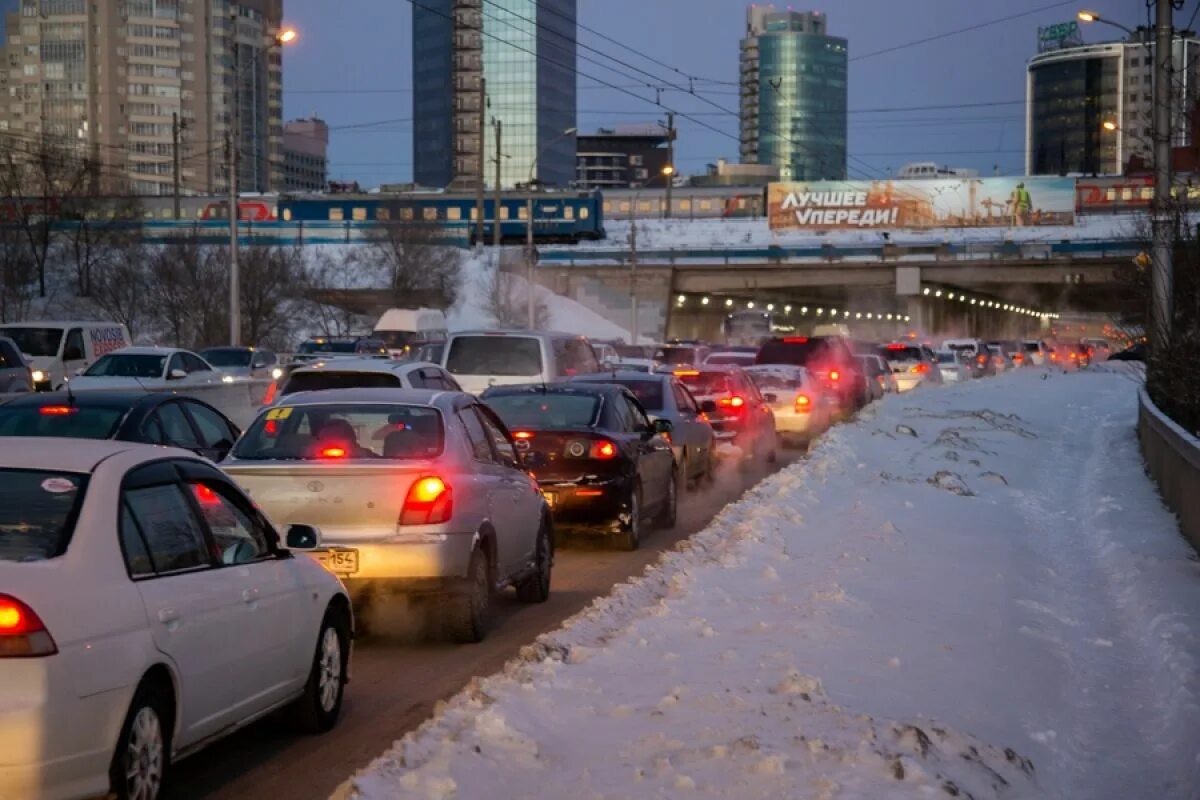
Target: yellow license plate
x: 339, y: 562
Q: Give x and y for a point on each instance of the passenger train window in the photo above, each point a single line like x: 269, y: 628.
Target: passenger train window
x: 685, y: 205
x: 503, y: 212
x: 406, y: 213
x: 383, y: 214
x: 287, y: 215
x: 359, y: 214
x: 568, y: 212
x: 522, y: 213
x: 583, y: 213
x: 454, y: 213
x: 336, y: 215
x: 706, y: 205
x: 429, y: 214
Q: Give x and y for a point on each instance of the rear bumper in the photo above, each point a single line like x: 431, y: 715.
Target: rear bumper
x: 906, y: 381
x: 601, y: 506
x: 419, y: 559
x: 792, y: 424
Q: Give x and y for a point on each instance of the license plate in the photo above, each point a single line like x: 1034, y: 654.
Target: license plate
x: 551, y: 498
x: 339, y: 562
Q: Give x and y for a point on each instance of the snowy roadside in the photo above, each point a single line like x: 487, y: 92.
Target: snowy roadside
x: 972, y: 591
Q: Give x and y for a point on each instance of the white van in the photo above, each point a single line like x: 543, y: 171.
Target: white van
x: 479, y: 359
x: 405, y: 329
x: 59, y: 349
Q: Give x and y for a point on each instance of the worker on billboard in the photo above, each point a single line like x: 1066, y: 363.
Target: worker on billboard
x: 1020, y: 204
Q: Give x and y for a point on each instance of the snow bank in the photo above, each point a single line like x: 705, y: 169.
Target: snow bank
x: 973, y: 591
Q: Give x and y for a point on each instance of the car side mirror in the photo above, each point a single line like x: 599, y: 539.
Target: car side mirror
x: 770, y: 397
x: 303, y: 537
x: 661, y: 426
x: 80, y: 370
x: 176, y: 374
x: 708, y: 406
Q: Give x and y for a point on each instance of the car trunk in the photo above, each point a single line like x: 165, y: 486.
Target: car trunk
x: 557, y: 453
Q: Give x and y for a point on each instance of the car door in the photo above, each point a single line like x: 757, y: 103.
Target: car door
x: 74, y: 355
x: 489, y: 478
x: 272, y: 594
x: 199, y: 372
x: 216, y: 433
x: 519, y: 486
x: 168, y: 425
x: 196, y: 612
x: 695, y: 434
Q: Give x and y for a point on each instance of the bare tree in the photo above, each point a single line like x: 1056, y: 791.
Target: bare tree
x: 272, y: 278
x: 413, y: 258
x: 507, y: 300
x: 120, y: 286
x: 96, y: 231
x: 18, y: 276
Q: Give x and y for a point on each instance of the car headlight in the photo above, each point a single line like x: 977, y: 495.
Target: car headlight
x: 277, y: 373
x: 39, y: 376
x: 227, y: 379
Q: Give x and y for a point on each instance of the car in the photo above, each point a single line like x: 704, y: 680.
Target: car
x: 59, y: 349
x: 1012, y: 350
x: 1098, y: 349
x: 742, y: 356
x: 828, y: 359
x: 417, y: 492
x: 627, y: 351
x: 236, y: 363
x: 324, y: 348
x: 912, y: 365
x: 430, y: 352
x: 403, y: 330
x: 159, y: 418
x: 799, y: 405
x: 480, y: 359
x: 350, y: 373
x: 740, y: 415
x: 147, y: 368
x: 877, y: 376
x: 1037, y: 352
x: 665, y: 397
x: 951, y: 366
x: 148, y: 608
x: 606, y: 354
x: 636, y: 365
x: 15, y: 373
x: 975, y: 355
x: 1001, y: 362
x: 602, y: 465
x: 1135, y: 352
x: 681, y: 353
x: 1072, y: 356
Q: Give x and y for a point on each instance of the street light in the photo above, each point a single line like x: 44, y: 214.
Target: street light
x: 1108, y: 125
x: 529, y: 223
x: 1092, y: 16
x: 285, y: 36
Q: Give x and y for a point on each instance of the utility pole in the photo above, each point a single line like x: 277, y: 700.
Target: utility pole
x: 670, y: 173
x: 633, y: 303
x: 1162, y: 267
x: 497, y: 124
x: 529, y: 281
x: 479, y: 183
x: 175, y: 158
x: 235, y: 298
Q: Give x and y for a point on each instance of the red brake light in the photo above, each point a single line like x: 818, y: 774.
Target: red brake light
x: 22, y: 633
x: 429, y: 502
x: 204, y: 495
x: 333, y: 452
x: 834, y: 375
x: 919, y: 369
x: 56, y: 411
x: 271, y: 427
x: 603, y: 450
x: 1017, y: 357
x: 982, y: 359
x: 523, y: 436
x: 897, y: 347
x: 795, y: 339
x: 736, y: 401
x: 803, y: 404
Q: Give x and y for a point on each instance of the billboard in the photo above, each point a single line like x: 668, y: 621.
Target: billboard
x: 936, y: 203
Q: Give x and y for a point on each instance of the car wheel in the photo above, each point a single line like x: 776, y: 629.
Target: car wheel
x: 710, y: 464
x: 468, y: 612
x: 773, y: 453
x: 318, y: 709
x: 684, y: 472
x: 630, y: 537
x: 666, y: 517
x: 536, y: 588
x: 143, y: 754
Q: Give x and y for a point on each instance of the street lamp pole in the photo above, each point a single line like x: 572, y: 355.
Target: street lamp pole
x: 231, y: 155
x: 529, y: 259
x: 668, y: 173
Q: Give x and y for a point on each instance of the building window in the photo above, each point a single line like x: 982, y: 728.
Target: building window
x: 336, y: 215
x: 635, y: 161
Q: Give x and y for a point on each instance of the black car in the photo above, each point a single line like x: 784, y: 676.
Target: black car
x: 601, y: 463
x: 1136, y: 352
x: 151, y: 418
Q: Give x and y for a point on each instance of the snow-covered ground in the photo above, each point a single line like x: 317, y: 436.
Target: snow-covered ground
x: 972, y: 591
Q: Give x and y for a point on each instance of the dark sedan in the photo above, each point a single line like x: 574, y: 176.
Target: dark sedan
x: 599, y: 460
x: 151, y: 418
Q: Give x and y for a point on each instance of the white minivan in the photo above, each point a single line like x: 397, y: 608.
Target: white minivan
x: 479, y: 359
x: 403, y: 330
x: 59, y: 349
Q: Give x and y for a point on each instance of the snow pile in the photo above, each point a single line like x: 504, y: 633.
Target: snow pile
x: 972, y: 591
x: 566, y: 315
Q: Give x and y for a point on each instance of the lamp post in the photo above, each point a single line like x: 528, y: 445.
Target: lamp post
x: 529, y: 285
x: 668, y: 171
x: 285, y: 36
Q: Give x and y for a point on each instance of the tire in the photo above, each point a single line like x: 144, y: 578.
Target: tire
x: 773, y: 453
x: 630, y: 538
x: 536, y: 588
x: 143, y: 755
x: 318, y: 709
x: 468, y: 613
x: 670, y: 511
x: 685, y: 473
x: 710, y: 465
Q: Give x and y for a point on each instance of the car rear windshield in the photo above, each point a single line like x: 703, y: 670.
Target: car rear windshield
x: 649, y: 393
x: 227, y: 357
x: 65, y: 421
x: 37, y: 512
x: 946, y: 358
x: 676, y: 355
x: 904, y: 353
x: 35, y: 341
x: 705, y: 383
x: 495, y: 355
x: 798, y: 351
x: 730, y: 358
x: 772, y: 381
x: 546, y: 409
x: 1032, y: 347
x: 397, y: 340
x: 342, y: 431
x: 328, y: 346
x: 127, y: 365
x: 328, y: 379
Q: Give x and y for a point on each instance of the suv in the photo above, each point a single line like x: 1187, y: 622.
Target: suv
x: 481, y: 359
x: 15, y: 374
x: 828, y: 359
x: 325, y: 347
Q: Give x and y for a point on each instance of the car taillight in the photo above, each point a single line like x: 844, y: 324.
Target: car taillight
x: 736, y: 401
x: 981, y: 359
x: 803, y: 404
x: 1054, y: 356
x: 56, y: 411
x: 429, y: 502
x: 523, y: 436
x: 919, y: 369
x: 270, y: 395
x: 603, y: 450
x: 1074, y: 356
x: 1018, y: 358
x: 333, y: 452
x: 834, y: 375
x: 22, y: 633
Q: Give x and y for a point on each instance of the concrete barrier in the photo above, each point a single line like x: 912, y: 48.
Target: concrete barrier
x: 240, y: 400
x: 1173, y: 460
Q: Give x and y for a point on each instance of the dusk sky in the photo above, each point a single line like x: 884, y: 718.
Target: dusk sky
x: 352, y: 66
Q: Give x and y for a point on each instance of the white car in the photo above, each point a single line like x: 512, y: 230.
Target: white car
x: 912, y: 365
x: 367, y: 373
x: 951, y: 366
x: 802, y: 408
x: 147, y: 608
x: 482, y: 359
x: 154, y: 368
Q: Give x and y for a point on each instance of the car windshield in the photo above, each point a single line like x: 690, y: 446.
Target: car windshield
x: 705, y: 383
x: 946, y: 358
x: 649, y: 393
x: 495, y: 355
x: 227, y: 357
x: 66, y: 421
x: 328, y: 346
x: 127, y: 365
x: 38, y: 342
x: 37, y: 512
x: 328, y: 379
x: 546, y: 409
x: 1032, y: 347
x: 333, y: 432
x: 676, y: 355
x: 903, y: 353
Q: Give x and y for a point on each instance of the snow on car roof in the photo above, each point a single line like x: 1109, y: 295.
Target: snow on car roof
x: 67, y: 455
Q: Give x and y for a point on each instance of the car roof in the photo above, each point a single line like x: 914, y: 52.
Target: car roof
x: 364, y: 365
x: 68, y: 455
x: 412, y: 397
x: 149, y: 350
x: 620, y: 375
x: 563, y: 387
x: 230, y: 348
x: 90, y: 399
x: 526, y: 333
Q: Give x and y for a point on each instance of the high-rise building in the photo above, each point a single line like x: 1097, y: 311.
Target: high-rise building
x: 1073, y: 89
x: 793, y: 94
x: 524, y: 52
x: 305, y: 155
x: 624, y: 157
x: 117, y: 80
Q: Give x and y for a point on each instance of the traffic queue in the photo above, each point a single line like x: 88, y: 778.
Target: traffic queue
x: 167, y: 578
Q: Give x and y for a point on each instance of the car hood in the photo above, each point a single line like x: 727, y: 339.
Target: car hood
x: 80, y: 382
